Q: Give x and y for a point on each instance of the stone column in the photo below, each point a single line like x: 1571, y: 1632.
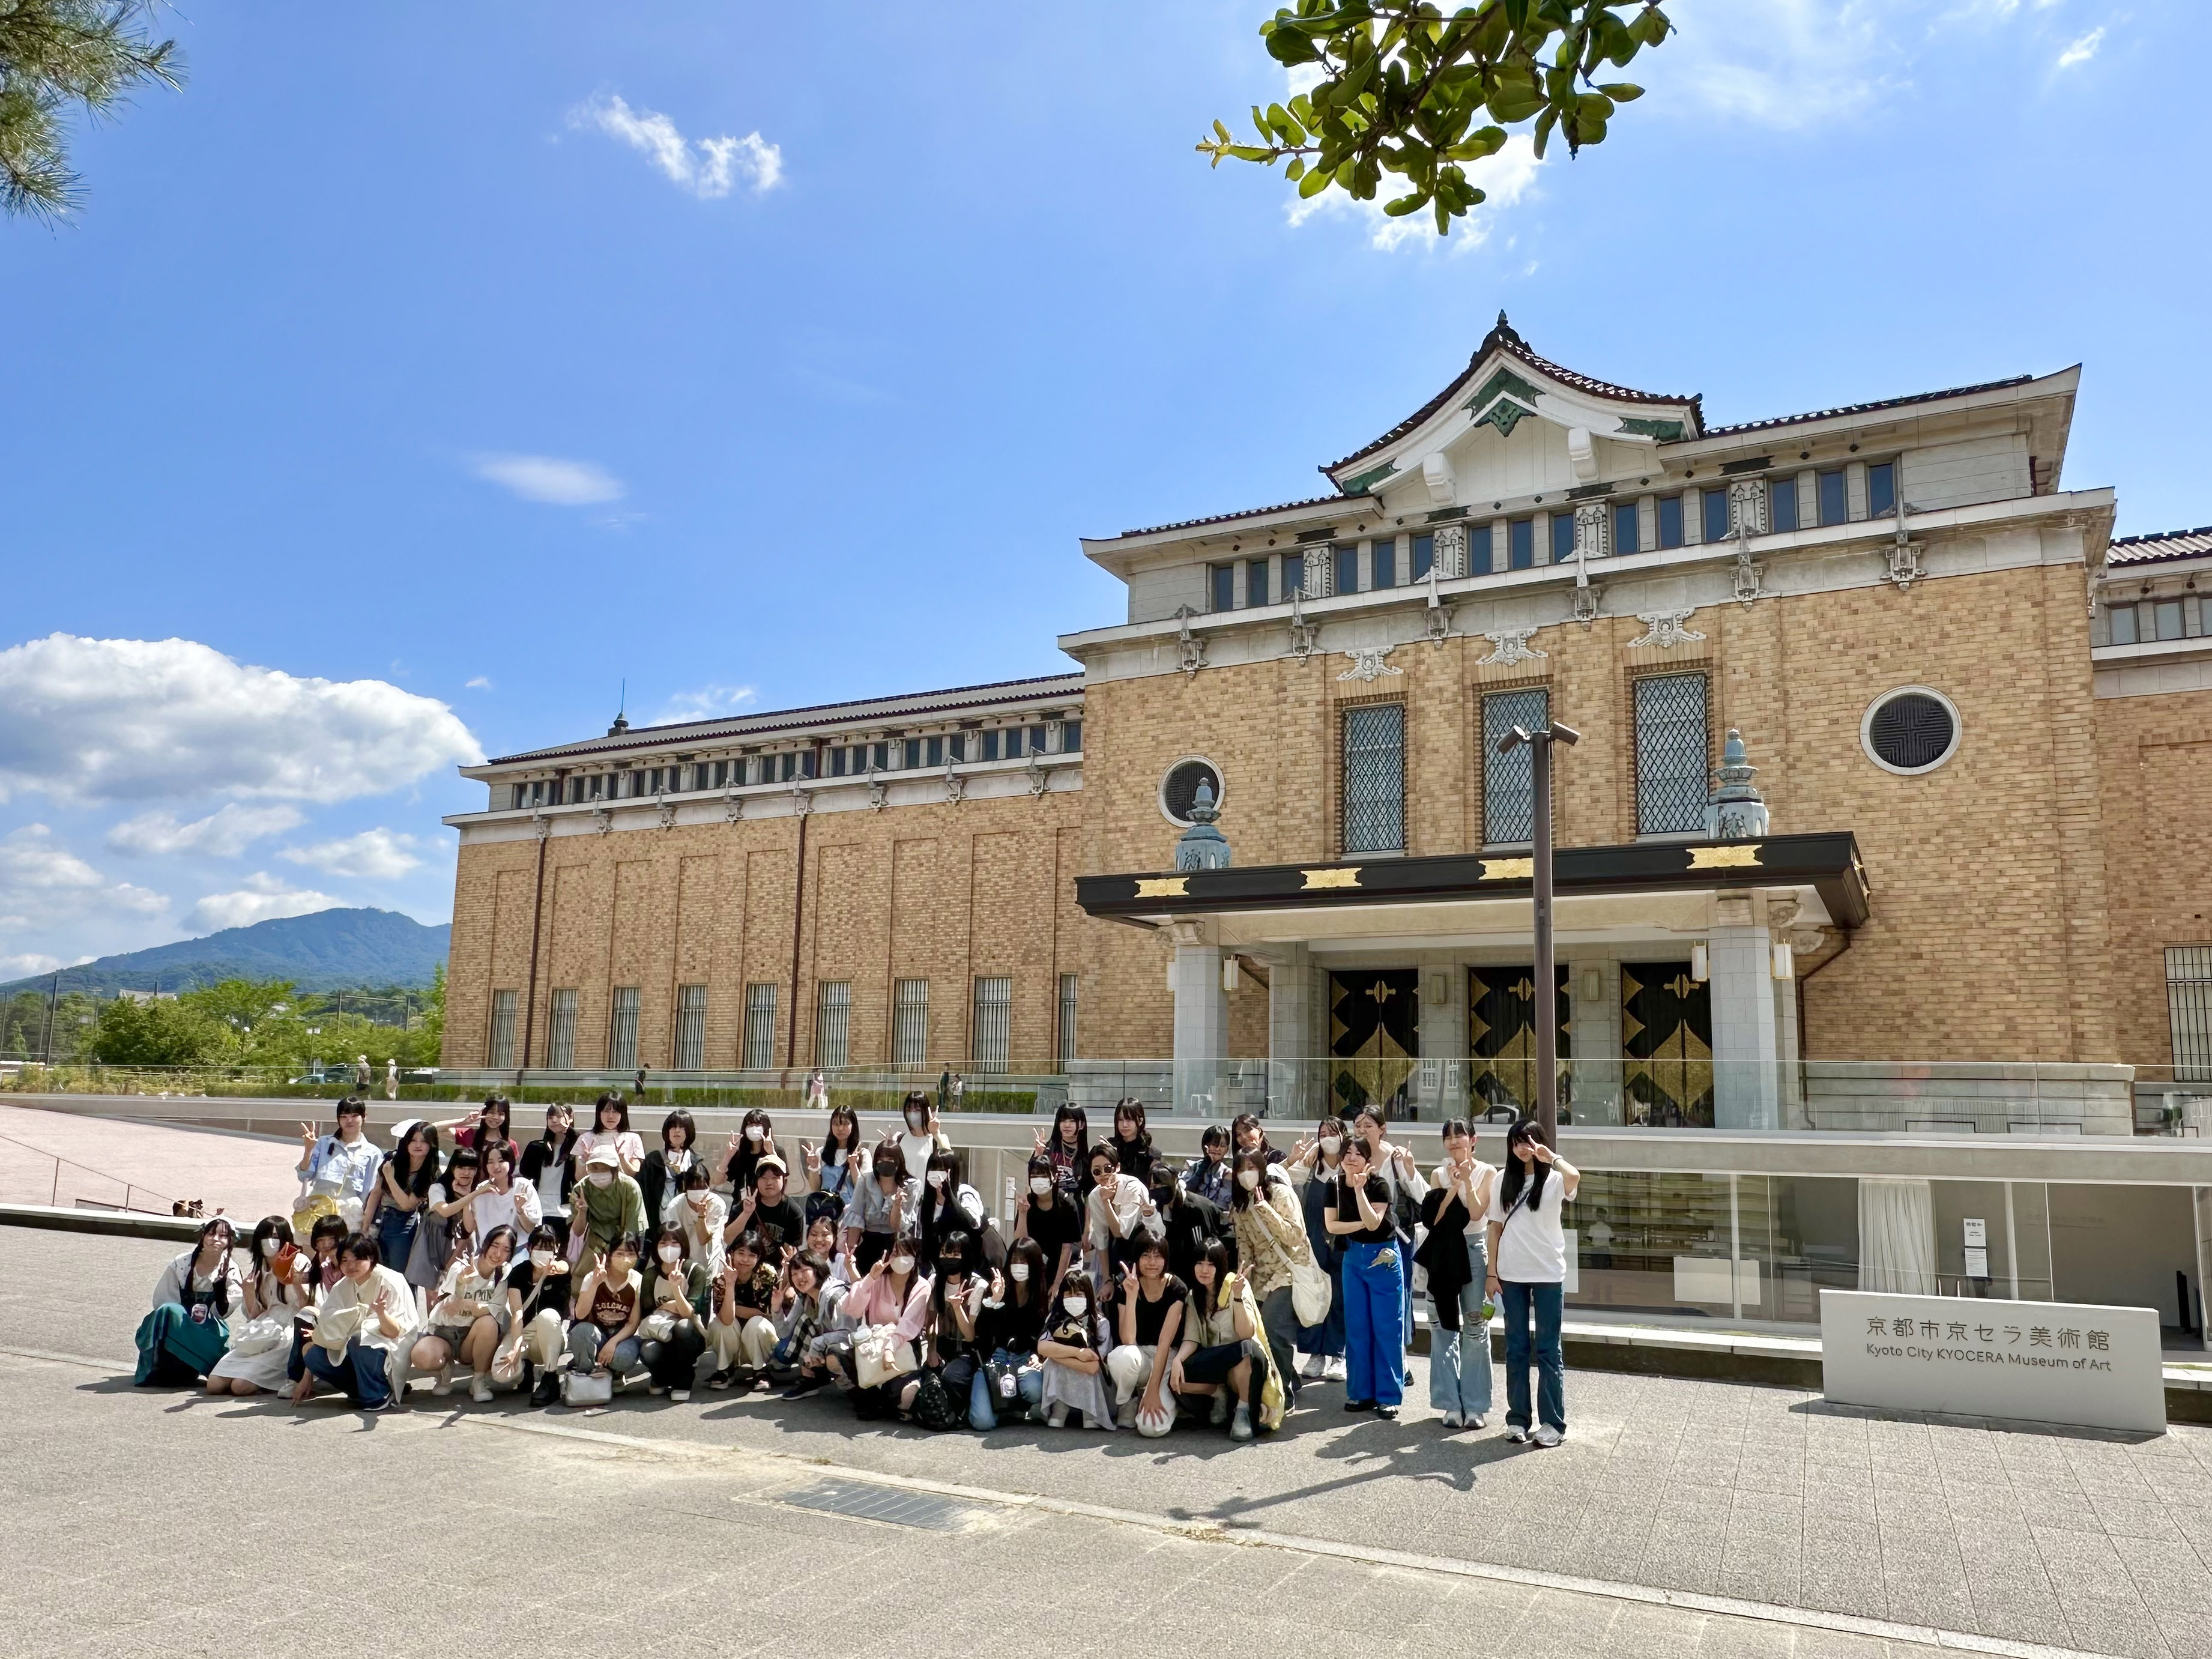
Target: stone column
x: 1745, y: 1075
x: 1440, y: 1080
x: 1201, y: 1021
x: 1291, y: 1043
x: 1596, y: 1065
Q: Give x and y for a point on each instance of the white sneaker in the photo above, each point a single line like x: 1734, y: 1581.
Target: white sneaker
x: 681, y: 1396
x: 1059, y: 1418
x: 1451, y: 1419
x: 1517, y: 1435
x: 480, y: 1390
x: 1334, y: 1370
x: 444, y: 1385
x: 1546, y: 1436
x: 1311, y: 1367
x: 1478, y: 1420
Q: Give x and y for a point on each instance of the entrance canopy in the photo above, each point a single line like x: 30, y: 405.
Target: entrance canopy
x: 1600, y: 891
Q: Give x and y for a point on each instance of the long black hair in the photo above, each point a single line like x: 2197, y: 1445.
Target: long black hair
x: 269, y: 1226
x: 416, y: 1181
x: 1130, y: 1106
x: 1241, y: 1197
x: 1208, y: 1297
x: 1030, y: 1292
x: 1075, y: 1115
x: 1517, y: 1172
x: 225, y: 1267
x: 612, y: 1097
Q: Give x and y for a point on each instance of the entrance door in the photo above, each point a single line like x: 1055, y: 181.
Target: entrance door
x: 1501, y: 1033
x: 1374, y: 1036
x: 1667, y: 1037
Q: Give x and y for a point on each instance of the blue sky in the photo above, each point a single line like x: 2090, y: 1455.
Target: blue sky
x: 417, y: 376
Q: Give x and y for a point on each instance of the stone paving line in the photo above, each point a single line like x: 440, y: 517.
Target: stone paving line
x: 2084, y: 1541
x: 82, y: 1590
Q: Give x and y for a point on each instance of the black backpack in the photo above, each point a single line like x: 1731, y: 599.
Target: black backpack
x: 933, y: 1408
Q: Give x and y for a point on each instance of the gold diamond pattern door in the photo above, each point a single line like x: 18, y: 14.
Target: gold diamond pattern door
x: 1501, y: 1036
x: 1374, y: 1037
x: 1667, y: 1044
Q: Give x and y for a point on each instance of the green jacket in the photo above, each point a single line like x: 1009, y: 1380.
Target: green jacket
x: 607, y: 1212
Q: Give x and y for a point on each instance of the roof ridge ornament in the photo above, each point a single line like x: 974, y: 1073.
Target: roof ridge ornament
x: 1202, y: 847
x: 1736, y: 811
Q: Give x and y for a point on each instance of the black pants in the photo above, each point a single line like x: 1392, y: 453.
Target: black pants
x: 1214, y: 1366
x: 674, y: 1363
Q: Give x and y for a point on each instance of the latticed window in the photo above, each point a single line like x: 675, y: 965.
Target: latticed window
x: 994, y: 1023
x: 561, y: 1032
x: 1509, y: 780
x: 1066, y: 1032
x: 1670, y: 754
x: 690, y: 1027
x: 502, y: 1031
x: 760, y: 1028
x: 833, y: 1022
x: 910, y: 1023
x: 2189, y: 1009
x: 622, y: 1031
x: 1375, y: 778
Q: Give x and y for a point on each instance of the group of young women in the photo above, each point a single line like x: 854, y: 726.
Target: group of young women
x: 1126, y: 1293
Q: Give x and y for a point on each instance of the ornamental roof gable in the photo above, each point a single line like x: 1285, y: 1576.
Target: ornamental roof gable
x: 1512, y: 422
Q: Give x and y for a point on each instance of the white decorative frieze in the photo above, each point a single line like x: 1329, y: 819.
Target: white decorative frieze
x: 1748, y: 507
x: 1450, y: 561
x: 1367, y: 664
x: 1664, y: 629
x: 1508, y: 646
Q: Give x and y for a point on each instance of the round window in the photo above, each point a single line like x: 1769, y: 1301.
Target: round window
x: 1180, y: 787
x: 1911, y: 730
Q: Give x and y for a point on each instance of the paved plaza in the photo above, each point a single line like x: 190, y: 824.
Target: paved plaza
x: 140, y: 1518
x: 244, y: 1176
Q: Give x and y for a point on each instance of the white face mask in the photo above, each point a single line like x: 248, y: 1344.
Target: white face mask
x: 915, y: 1120
x: 1020, y: 1273
x: 902, y: 1264
x: 541, y: 1259
x: 937, y: 1177
x: 754, y: 1132
x: 270, y: 1247
x: 602, y: 1177
x: 1076, y: 1306
x: 1330, y: 1146
x: 1040, y: 1185
x: 1247, y: 1179
x: 671, y: 1253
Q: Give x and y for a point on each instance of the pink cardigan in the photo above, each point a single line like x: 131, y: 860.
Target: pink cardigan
x: 872, y: 1302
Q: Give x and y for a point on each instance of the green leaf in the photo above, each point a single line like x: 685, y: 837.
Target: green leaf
x: 1621, y: 92
x: 1313, y: 183
x: 1398, y: 208
x: 1221, y: 132
x: 1297, y: 170
x: 1544, y: 125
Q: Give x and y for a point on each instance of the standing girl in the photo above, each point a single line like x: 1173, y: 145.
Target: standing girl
x: 547, y: 1166
x: 1131, y: 1141
x: 661, y: 1177
x: 1322, y: 1344
x: 1374, y: 1288
x: 1528, y: 1273
x: 394, y: 1210
x: 1456, y: 1255
x: 1271, y: 1240
x: 831, y: 1172
x: 754, y: 1139
x: 1068, y: 1147
x: 611, y: 1127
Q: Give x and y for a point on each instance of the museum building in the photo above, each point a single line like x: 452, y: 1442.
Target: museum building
x: 1879, y: 851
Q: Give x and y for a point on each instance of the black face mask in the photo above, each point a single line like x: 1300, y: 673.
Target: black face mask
x: 886, y: 1171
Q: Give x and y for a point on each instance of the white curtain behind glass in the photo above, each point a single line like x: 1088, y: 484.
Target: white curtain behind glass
x: 1897, y: 1235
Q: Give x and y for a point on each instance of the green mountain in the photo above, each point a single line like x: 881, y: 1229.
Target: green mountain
x: 328, y: 951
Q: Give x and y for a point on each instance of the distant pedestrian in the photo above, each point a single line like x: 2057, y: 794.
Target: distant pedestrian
x: 1528, y: 1275
x: 362, y: 1074
x: 639, y: 1090
x: 392, y: 1079
x: 959, y: 1092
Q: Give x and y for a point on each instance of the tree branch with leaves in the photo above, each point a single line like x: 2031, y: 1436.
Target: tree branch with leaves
x: 56, y: 55
x: 1409, y: 90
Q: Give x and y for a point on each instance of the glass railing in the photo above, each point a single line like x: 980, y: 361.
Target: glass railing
x: 1945, y: 1097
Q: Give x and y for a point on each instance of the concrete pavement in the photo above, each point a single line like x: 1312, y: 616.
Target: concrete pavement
x: 1700, y: 1489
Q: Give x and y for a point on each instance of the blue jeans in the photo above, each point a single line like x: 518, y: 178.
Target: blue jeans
x: 1459, y: 1361
x: 1546, y: 1302
x: 1029, y: 1389
x: 359, y: 1371
x: 1374, y: 1324
x: 584, y: 1340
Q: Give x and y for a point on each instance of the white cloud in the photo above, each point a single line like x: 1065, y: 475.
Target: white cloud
x: 550, y: 479
x: 2082, y: 50
x: 481, y: 683
x: 43, y: 883
x: 87, y: 721
x: 263, y: 896
x: 1506, y: 179
x: 29, y: 963
x: 1789, y: 63
x: 224, y: 833
x: 708, y: 167
x: 376, y: 855
x: 708, y: 702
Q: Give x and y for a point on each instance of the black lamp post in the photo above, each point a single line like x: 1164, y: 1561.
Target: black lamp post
x: 1540, y: 744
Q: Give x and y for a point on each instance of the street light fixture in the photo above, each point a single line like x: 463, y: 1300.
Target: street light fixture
x: 1539, y: 743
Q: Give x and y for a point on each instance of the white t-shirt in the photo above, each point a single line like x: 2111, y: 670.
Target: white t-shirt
x: 1533, y: 1248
